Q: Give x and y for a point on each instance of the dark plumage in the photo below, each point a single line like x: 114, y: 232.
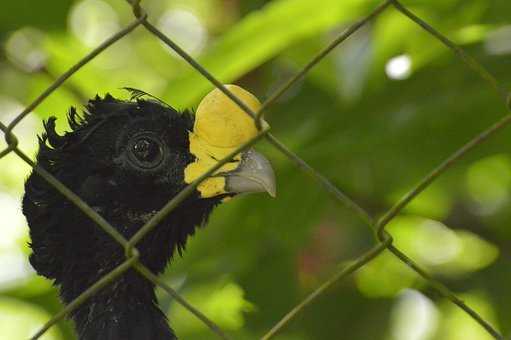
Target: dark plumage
x: 126, y: 159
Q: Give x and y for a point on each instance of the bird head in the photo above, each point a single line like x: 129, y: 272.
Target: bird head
x: 134, y: 156
x: 126, y: 159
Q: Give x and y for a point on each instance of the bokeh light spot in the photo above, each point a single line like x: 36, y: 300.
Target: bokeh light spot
x: 498, y: 42
x: 489, y: 183
x: 399, y: 67
x: 93, y: 21
x: 414, y: 317
x: 24, y: 48
x: 184, y: 28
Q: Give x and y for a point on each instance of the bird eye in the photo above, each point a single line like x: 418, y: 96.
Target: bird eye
x: 146, y: 152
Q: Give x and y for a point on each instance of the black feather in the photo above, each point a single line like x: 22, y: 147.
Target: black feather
x: 51, y: 135
x: 73, y: 119
x: 137, y: 94
x: 93, y: 160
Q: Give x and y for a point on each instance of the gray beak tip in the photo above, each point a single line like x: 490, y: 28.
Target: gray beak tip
x: 254, y: 174
x: 271, y: 190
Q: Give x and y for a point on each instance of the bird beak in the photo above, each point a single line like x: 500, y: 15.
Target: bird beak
x: 254, y: 174
x: 220, y: 127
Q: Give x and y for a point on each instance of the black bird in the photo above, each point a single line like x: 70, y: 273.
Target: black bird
x: 126, y: 159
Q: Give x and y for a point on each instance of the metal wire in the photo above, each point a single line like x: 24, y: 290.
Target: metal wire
x: 383, y: 238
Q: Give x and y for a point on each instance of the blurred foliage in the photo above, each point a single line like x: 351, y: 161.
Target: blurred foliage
x: 375, y: 116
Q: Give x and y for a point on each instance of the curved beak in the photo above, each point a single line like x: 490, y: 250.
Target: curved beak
x: 254, y: 174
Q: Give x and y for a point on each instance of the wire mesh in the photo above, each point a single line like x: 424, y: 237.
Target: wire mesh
x: 383, y: 239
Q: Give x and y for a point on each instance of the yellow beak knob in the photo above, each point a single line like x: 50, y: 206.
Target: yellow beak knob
x: 220, y: 122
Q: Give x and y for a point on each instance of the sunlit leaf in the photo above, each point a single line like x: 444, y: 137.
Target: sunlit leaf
x: 434, y: 245
x: 385, y: 276
x: 489, y: 182
x: 222, y: 301
x: 258, y: 37
x: 434, y: 202
x: 458, y: 325
x: 20, y: 320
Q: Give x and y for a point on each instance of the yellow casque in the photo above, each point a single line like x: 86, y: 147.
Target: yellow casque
x: 220, y: 127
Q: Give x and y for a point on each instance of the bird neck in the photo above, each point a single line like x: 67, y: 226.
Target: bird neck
x: 126, y: 309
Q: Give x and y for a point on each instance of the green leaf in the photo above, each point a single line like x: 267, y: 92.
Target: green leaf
x: 20, y: 320
x: 385, y: 276
x: 257, y: 38
x: 458, y: 325
x: 222, y: 301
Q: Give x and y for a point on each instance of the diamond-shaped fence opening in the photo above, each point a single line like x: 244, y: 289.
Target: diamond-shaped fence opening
x: 383, y: 239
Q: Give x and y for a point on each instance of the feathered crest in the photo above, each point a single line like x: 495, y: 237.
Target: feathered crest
x: 100, y: 109
x: 54, y: 139
x: 96, y: 112
x: 73, y: 118
x: 137, y: 94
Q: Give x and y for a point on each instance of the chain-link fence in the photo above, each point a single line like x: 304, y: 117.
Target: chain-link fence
x: 383, y: 239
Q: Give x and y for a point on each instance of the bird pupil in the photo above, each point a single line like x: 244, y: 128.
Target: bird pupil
x: 146, y: 150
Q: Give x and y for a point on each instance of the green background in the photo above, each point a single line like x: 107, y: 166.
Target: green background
x: 370, y: 130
